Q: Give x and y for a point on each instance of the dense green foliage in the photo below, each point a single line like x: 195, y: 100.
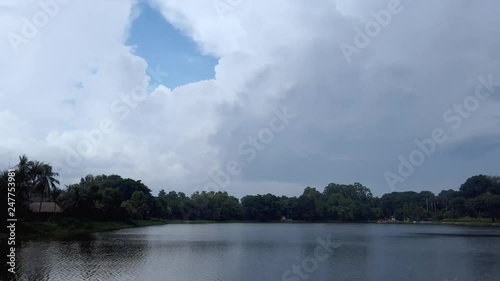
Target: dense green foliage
x: 71, y: 227
x: 113, y: 198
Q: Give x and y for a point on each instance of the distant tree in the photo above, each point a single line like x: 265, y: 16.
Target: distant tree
x: 111, y: 201
x: 491, y: 202
x: 130, y: 209
x: 475, y: 186
x: 139, y: 201
x: 111, y: 197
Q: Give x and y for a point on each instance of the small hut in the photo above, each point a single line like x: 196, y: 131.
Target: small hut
x: 47, y: 207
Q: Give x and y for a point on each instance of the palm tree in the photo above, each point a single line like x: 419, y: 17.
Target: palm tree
x: 43, y: 178
x: 35, y: 169
x: 47, y: 180
x: 23, y: 177
x: 23, y: 181
x: 23, y: 166
x: 54, y: 195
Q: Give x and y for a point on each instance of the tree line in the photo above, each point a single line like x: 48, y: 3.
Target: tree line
x: 111, y: 197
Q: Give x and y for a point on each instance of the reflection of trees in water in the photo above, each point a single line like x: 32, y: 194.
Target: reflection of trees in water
x: 104, y: 257
x: 189, y: 260
x: 33, y: 259
x: 485, y: 260
x: 353, y: 260
x: 368, y: 252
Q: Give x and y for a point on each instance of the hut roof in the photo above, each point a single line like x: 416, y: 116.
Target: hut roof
x: 47, y: 207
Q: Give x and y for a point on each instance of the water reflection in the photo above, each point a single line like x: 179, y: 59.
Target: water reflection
x: 103, y: 257
x: 266, y: 251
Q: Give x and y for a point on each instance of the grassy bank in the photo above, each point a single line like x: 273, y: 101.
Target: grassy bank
x: 471, y: 222
x: 458, y: 222
x: 464, y: 221
x: 63, y: 228
x: 208, y: 221
x: 66, y: 228
x: 189, y: 222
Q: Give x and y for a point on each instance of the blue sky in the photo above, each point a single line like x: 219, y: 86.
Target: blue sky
x: 358, y: 117
x: 166, y: 48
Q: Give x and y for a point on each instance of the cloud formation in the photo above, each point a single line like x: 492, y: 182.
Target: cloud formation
x: 355, y: 118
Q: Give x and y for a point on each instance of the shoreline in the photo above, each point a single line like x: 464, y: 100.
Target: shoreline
x: 64, y: 229
x: 74, y: 228
x: 471, y: 223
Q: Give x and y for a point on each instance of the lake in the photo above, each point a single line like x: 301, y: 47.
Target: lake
x: 257, y: 252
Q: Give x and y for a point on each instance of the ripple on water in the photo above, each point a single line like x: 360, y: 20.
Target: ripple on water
x: 250, y: 252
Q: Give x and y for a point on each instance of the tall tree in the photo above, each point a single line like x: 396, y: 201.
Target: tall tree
x: 43, y: 179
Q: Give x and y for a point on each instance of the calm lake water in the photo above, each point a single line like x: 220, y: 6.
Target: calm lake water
x: 270, y: 252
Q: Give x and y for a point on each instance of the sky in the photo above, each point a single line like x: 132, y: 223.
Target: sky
x: 253, y: 97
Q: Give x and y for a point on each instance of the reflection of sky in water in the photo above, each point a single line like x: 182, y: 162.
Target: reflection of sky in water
x: 264, y: 251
